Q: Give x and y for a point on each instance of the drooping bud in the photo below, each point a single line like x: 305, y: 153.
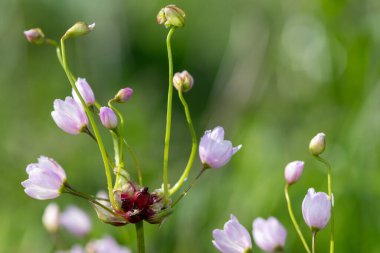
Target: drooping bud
x: 35, y: 36
x: 50, y: 218
x: 183, y: 81
x: 293, y: 171
x: 171, y: 16
x: 317, y: 144
x: 78, y: 29
x: 108, y: 117
x: 123, y: 95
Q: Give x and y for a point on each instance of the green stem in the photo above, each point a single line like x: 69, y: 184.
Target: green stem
x: 188, y: 188
x: 93, y: 125
x: 168, y: 117
x: 193, y: 146
x: 331, y: 197
x: 140, y: 237
x: 295, y: 224
x: 313, y: 241
x: 135, y: 161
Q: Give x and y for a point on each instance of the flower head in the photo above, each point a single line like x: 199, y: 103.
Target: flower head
x: 293, y: 171
x: 106, y: 244
x: 183, y: 81
x: 269, y: 235
x: 214, y: 151
x: 69, y: 116
x: 316, y: 209
x: 35, y: 36
x: 123, y: 95
x: 50, y: 218
x: 171, y: 16
x: 85, y: 91
x: 46, y: 179
x: 76, y: 221
x: 317, y: 144
x: 108, y: 117
x: 234, y: 238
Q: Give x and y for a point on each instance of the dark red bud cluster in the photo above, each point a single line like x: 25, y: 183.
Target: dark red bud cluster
x: 137, y: 206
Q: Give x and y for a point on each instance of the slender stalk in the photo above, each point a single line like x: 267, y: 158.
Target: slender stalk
x: 194, y: 146
x: 168, y: 117
x: 135, y: 161
x: 313, y: 241
x: 140, y: 237
x: 295, y: 224
x: 117, y: 151
x: 188, y: 188
x: 331, y: 197
x: 93, y: 125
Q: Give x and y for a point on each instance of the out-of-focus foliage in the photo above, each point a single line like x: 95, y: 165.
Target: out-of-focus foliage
x: 273, y: 73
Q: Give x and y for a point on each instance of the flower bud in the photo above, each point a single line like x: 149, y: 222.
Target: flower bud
x: 50, y: 218
x: 104, y: 214
x: 183, y: 81
x: 123, y: 95
x: 293, y: 171
x: 317, y: 144
x: 85, y: 91
x: 108, y: 117
x: 35, y: 36
x: 78, y: 29
x: 171, y: 16
x: 316, y: 209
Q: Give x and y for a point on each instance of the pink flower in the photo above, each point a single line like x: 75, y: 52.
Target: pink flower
x: 214, y: 151
x: 123, y: 95
x: 269, y: 235
x: 46, y: 179
x: 76, y: 221
x: 69, y: 115
x: 85, y: 91
x: 35, y: 36
x: 108, y: 117
x: 234, y: 238
x: 293, y: 171
x: 316, y: 209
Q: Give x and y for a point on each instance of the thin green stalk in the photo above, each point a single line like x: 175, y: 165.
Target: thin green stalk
x: 168, y: 117
x: 313, y: 241
x: 116, y: 146
x: 140, y: 237
x: 188, y: 188
x: 194, y: 146
x: 93, y: 125
x: 331, y: 197
x: 135, y: 161
x: 295, y: 224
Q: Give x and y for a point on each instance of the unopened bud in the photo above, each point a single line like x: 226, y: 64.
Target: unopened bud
x: 317, y: 144
x: 171, y: 16
x: 123, y: 95
x: 50, y: 218
x: 108, y: 117
x: 293, y: 171
x: 183, y: 81
x: 35, y: 36
x: 78, y: 29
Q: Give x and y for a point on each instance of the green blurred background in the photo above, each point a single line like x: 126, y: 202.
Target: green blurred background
x: 273, y: 73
